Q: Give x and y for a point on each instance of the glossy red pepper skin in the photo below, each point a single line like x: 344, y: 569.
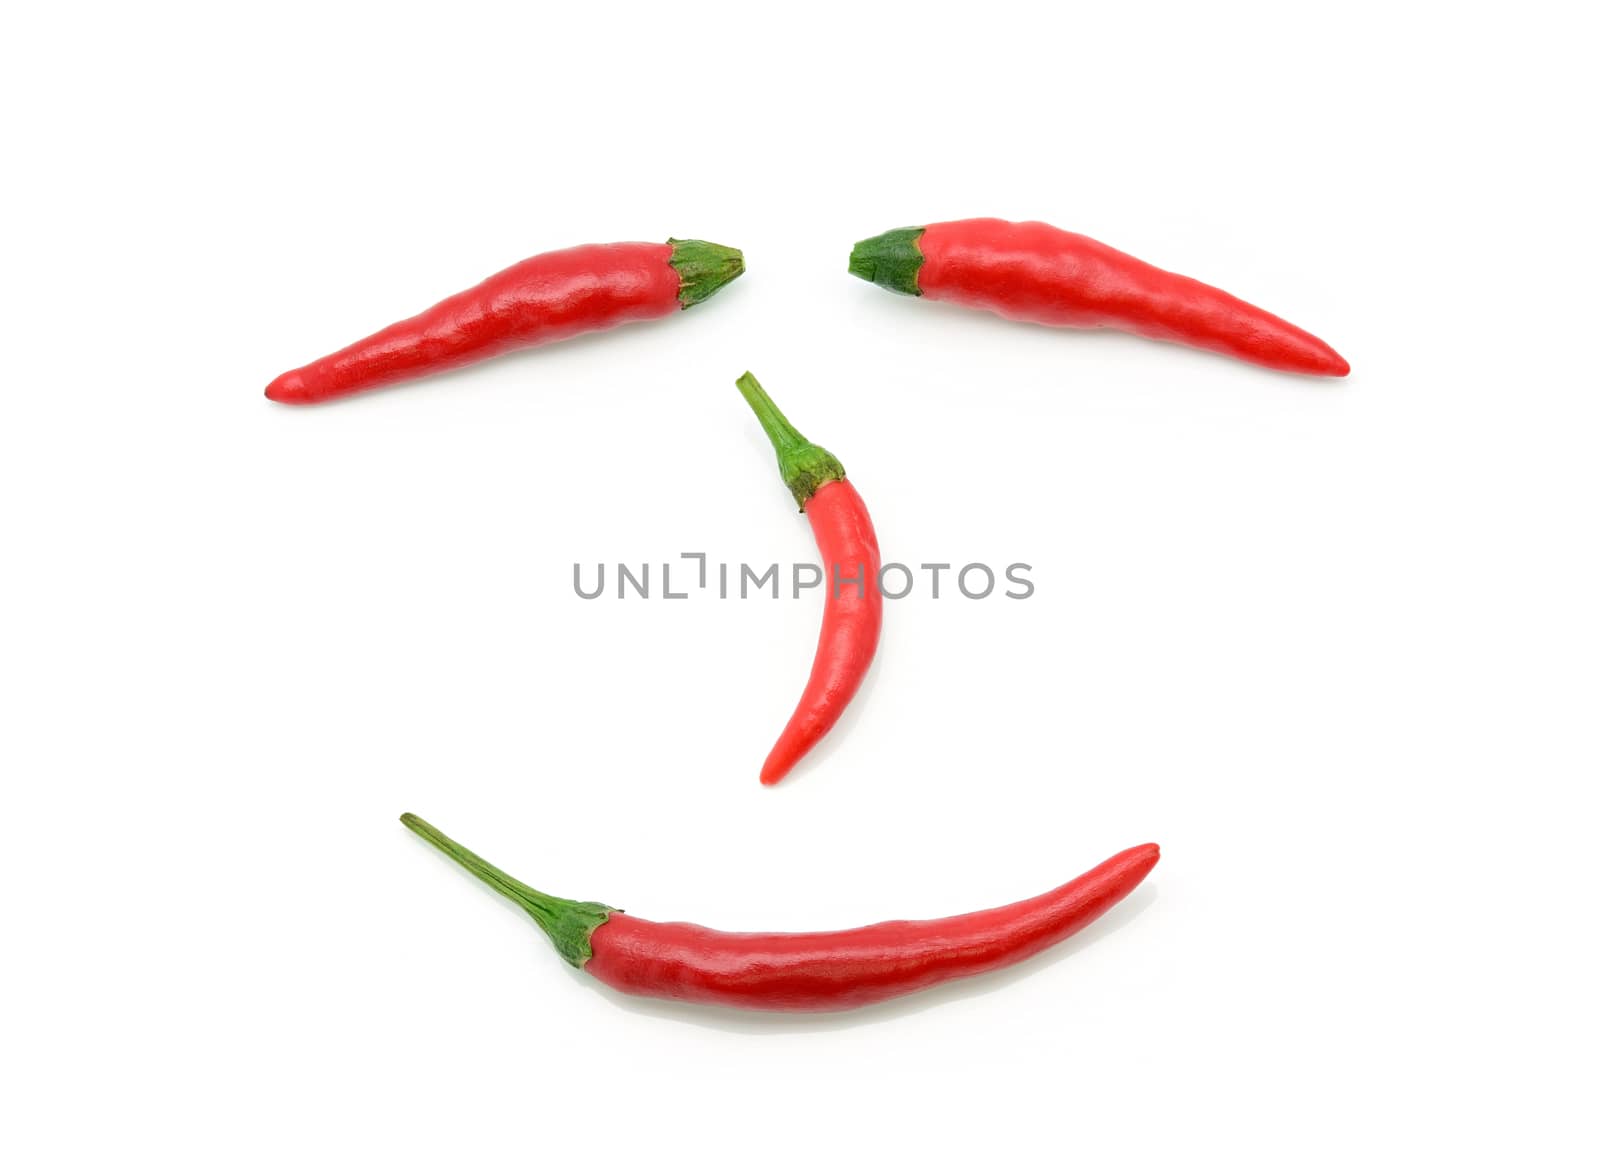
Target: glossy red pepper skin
x: 832, y: 971
x: 808, y: 971
x: 1040, y: 274
x: 545, y: 298
x: 852, y: 614
x: 852, y: 618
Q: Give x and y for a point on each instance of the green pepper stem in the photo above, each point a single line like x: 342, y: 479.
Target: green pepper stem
x: 568, y: 923
x: 773, y: 422
x: 891, y: 260
x: 804, y: 466
x: 703, y: 268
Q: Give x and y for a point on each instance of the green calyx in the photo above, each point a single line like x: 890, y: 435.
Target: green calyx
x: 703, y: 268
x: 803, y: 466
x: 568, y: 923
x: 891, y: 260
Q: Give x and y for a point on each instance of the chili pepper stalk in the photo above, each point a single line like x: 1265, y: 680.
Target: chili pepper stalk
x: 568, y: 923
x: 703, y: 269
x: 803, y: 466
x: 848, y: 545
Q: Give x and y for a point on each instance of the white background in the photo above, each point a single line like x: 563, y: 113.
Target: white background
x: 1333, y: 645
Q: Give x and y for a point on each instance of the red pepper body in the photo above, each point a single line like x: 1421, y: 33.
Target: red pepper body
x: 545, y: 298
x: 805, y: 971
x: 829, y: 971
x: 852, y: 618
x: 1038, y: 273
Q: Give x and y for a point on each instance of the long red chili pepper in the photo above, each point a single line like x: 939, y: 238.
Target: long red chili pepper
x: 852, y: 615
x: 1041, y: 274
x: 543, y: 299
x: 805, y: 971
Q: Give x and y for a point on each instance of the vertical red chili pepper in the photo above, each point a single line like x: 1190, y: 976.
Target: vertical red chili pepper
x: 1041, y: 274
x: 804, y: 971
x: 545, y: 298
x: 852, y: 615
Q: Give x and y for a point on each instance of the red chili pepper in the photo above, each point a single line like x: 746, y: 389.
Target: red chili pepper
x: 1041, y: 274
x: 852, y: 615
x: 543, y: 299
x: 805, y: 971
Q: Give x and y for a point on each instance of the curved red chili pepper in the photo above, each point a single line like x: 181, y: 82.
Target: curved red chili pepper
x: 1041, y: 274
x: 805, y: 971
x: 852, y: 615
x: 543, y: 299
